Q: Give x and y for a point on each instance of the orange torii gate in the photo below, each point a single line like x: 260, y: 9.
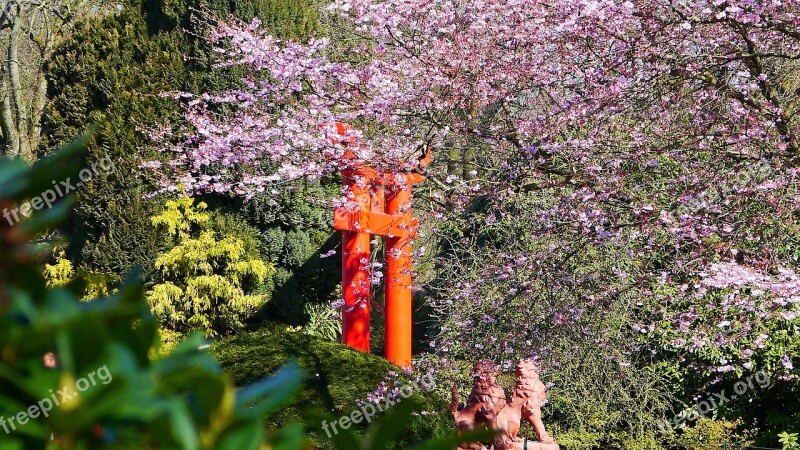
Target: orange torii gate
x: 383, y: 208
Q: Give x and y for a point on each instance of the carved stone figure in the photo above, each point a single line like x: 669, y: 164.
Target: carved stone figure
x: 526, y: 401
x: 465, y: 420
x: 487, y: 406
x: 484, y: 403
x: 487, y: 391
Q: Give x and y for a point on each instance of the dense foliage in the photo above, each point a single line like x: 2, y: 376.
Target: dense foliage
x: 80, y: 375
x: 631, y: 198
x: 340, y: 379
x: 518, y: 294
x: 614, y: 192
x: 112, y: 72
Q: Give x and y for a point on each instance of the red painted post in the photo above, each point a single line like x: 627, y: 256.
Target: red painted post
x: 398, y: 276
x: 355, y: 270
x: 356, y: 254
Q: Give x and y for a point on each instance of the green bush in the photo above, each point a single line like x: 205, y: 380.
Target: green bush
x: 338, y: 377
x: 789, y: 441
x: 324, y: 322
x: 714, y: 433
x: 62, y: 273
x: 294, y: 225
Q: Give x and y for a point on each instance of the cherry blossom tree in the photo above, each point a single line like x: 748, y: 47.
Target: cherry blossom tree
x: 662, y: 131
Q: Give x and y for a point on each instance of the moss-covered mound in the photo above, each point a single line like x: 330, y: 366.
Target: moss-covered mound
x: 336, y: 377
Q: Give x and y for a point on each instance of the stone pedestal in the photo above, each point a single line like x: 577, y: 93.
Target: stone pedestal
x: 532, y: 445
x: 540, y: 446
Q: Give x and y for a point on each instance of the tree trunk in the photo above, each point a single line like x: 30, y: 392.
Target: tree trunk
x: 7, y: 118
x: 19, y: 145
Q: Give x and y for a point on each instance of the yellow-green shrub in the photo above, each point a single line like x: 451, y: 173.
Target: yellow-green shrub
x: 713, y: 433
x: 205, y: 280
x: 62, y: 272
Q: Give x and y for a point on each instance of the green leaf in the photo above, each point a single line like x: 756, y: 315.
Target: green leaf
x: 289, y: 437
x: 392, y: 425
x: 449, y: 442
x: 247, y: 435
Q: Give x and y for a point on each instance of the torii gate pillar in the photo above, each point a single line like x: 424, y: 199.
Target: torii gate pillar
x: 398, y: 279
x: 355, y: 271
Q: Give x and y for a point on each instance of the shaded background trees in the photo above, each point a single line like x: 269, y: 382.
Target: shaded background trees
x: 30, y: 31
x: 112, y: 72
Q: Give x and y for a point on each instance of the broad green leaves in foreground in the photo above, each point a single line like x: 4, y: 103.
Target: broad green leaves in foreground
x: 82, y: 375
x: 105, y: 390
